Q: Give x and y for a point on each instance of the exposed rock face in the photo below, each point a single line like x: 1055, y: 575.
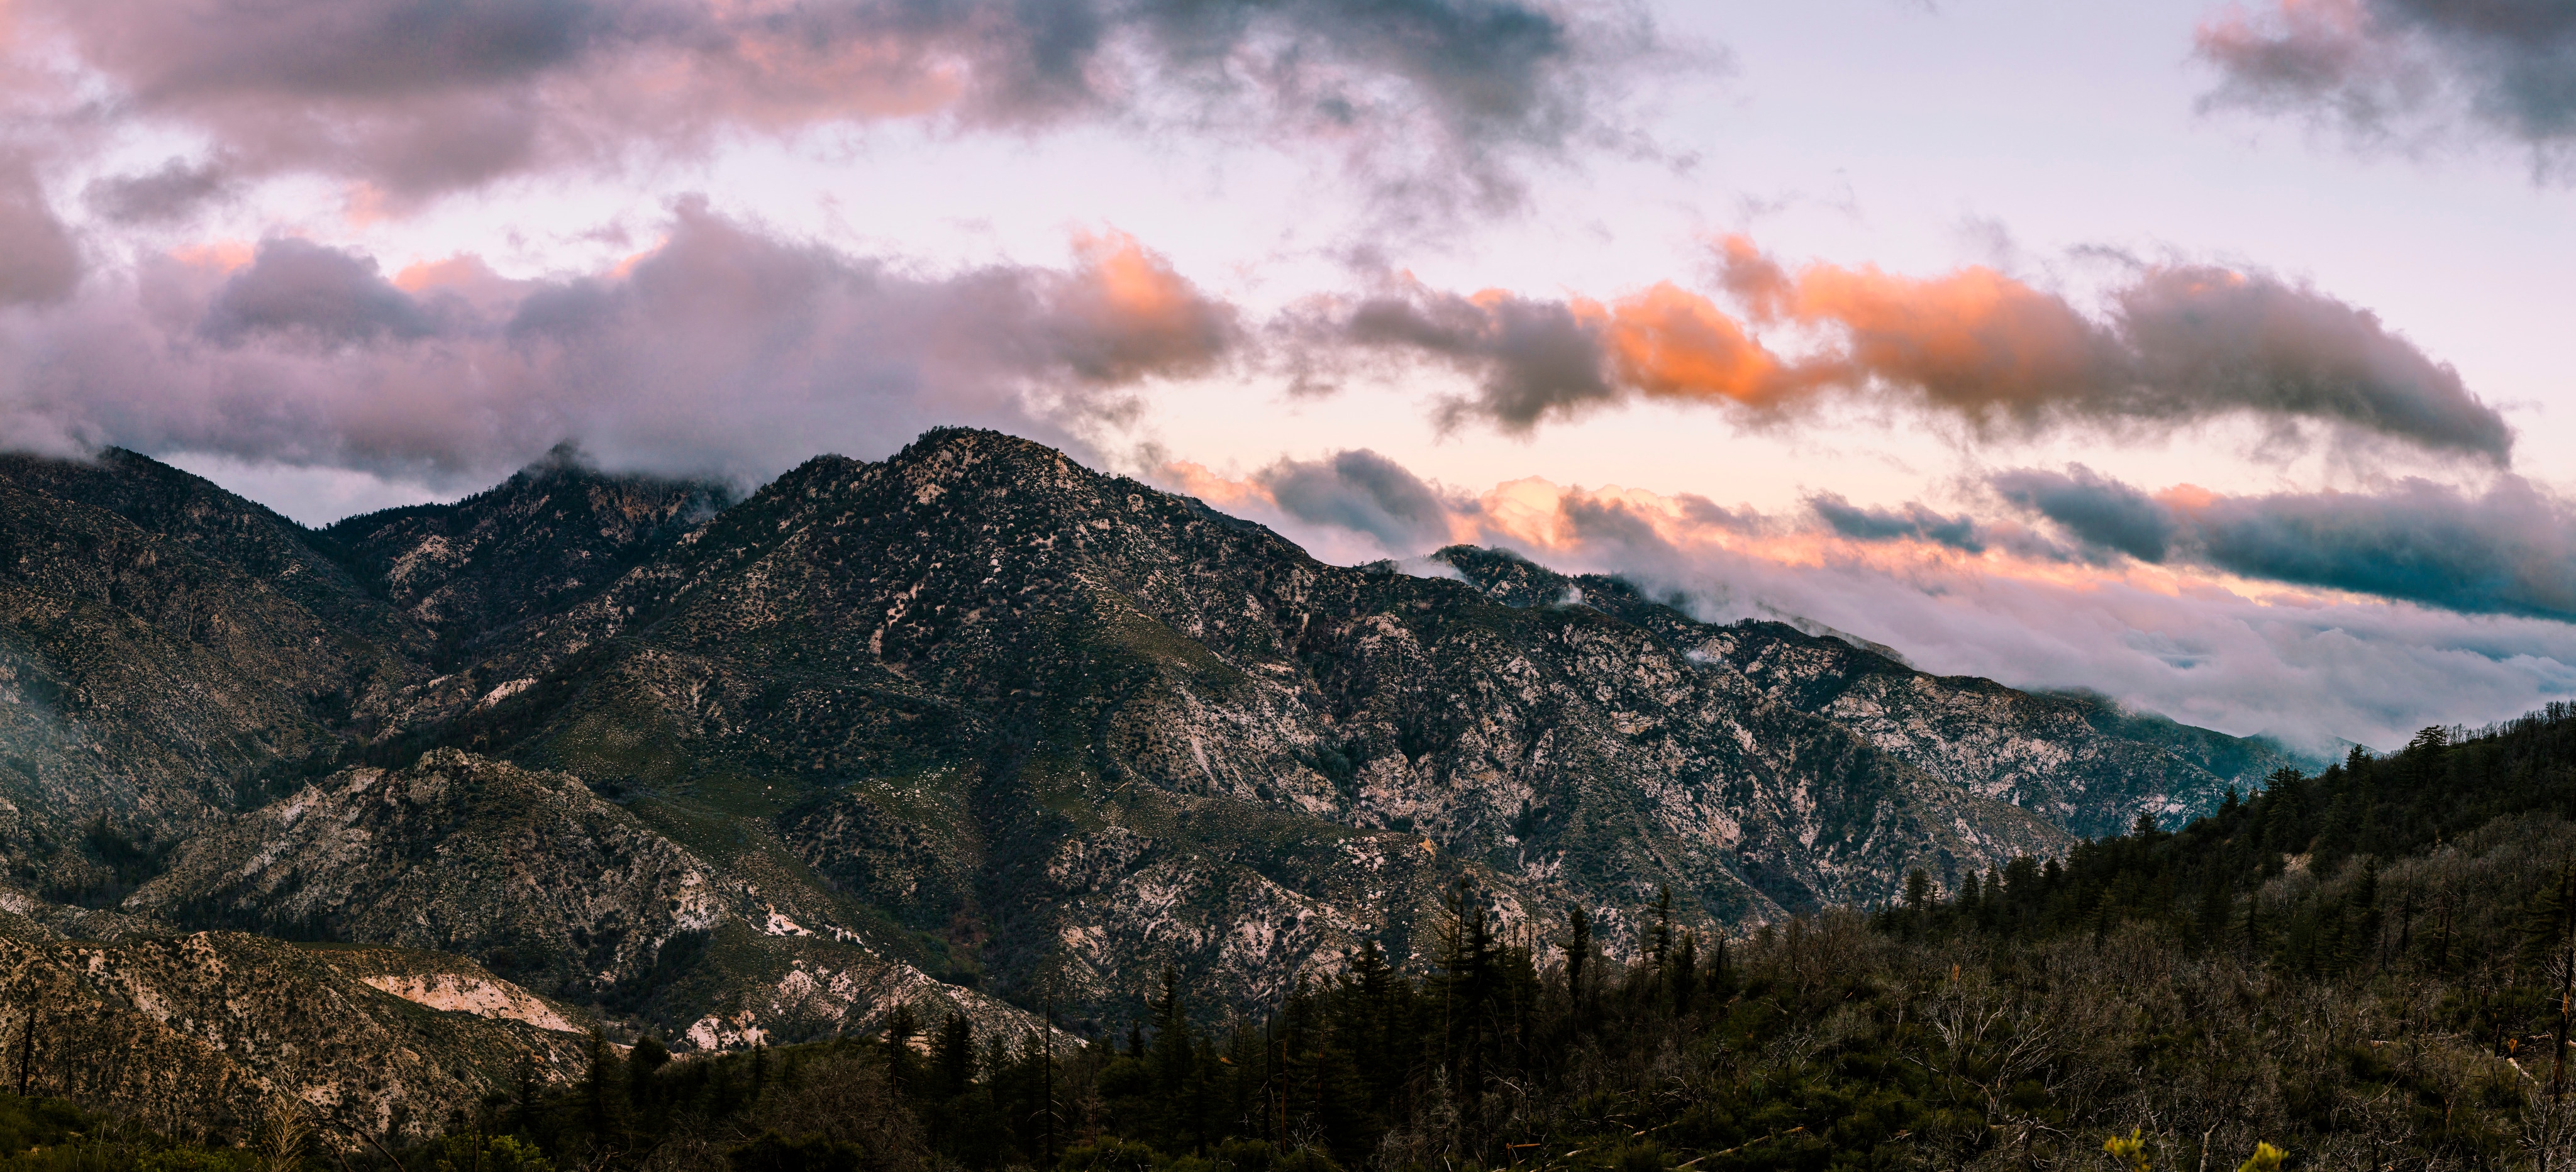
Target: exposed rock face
x: 954, y: 729
x: 449, y: 983
x: 530, y: 872
x: 2079, y: 761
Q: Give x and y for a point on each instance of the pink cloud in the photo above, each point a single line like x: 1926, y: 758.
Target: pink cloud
x: 723, y: 349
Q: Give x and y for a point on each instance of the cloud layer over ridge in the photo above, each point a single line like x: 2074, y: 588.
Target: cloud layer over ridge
x: 723, y: 349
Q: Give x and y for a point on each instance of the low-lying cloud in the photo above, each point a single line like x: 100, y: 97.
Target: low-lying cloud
x: 1913, y: 522
x: 2401, y: 68
x: 1366, y: 493
x: 2182, y: 344
x: 723, y: 349
x: 416, y: 98
x: 2096, y: 511
x: 2510, y: 550
x: 2309, y: 667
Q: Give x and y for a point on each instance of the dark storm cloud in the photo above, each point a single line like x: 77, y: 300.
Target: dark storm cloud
x: 2092, y: 508
x: 724, y: 349
x: 2183, y: 344
x: 2509, y: 65
x: 1364, y: 492
x: 1911, y: 522
x: 39, y: 261
x: 420, y: 97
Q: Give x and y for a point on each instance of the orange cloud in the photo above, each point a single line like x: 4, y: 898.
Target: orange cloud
x: 1133, y: 281
x: 1973, y: 339
x: 2186, y: 498
x: 1143, y: 314
x: 1672, y: 343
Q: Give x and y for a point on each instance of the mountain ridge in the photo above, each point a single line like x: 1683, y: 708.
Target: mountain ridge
x: 972, y: 726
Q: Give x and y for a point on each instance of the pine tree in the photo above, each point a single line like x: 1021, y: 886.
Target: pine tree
x: 1684, y: 978
x: 595, y: 1093
x: 901, y: 1026
x: 1659, y: 938
x: 953, y: 1057
x: 1578, y: 952
x: 1466, y: 982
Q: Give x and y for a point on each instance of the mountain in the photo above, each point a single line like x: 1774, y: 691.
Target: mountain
x: 2082, y: 762
x: 973, y: 728
x: 544, y: 883
x: 161, y: 643
x: 196, y: 1034
x: 553, y: 533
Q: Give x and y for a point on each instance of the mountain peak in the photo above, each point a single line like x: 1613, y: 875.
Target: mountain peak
x: 554, y: 532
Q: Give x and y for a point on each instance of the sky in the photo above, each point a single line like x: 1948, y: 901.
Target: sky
x: 2204, y: 355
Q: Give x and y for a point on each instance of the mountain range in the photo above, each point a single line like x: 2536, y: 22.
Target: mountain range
x: 972, y: 729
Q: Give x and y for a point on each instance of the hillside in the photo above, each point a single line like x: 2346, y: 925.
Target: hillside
x: 2080, y: 761
x: 973, y: 728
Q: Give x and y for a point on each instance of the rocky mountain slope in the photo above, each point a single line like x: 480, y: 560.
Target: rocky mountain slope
x: 543, y: 882
x: 2080, y: 761
x: 147, y: 673
x: 1003, y: 669
x: 552, y: 534
x: 973, y: 727
x: 197, y: 1034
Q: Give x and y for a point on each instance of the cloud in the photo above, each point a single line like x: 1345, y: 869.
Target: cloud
x: 39, y: 261
x: 1363, y: 492
x: 1913, y: 521
x: 2304, y: 668
x: 421, y: 97
x: 171, y: 193
x: 2508, y: 551
x: 2170, y: 638
x: 2183, y: 343
x: 2374, y: 66
x: 723, y: 349
x: 2204, y: 340
x: 296, y: 287
x: 1532, y: 359
x: 2093, y: 509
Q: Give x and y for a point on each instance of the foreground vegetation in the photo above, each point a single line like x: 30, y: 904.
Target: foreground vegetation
x: 2368, y: 968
